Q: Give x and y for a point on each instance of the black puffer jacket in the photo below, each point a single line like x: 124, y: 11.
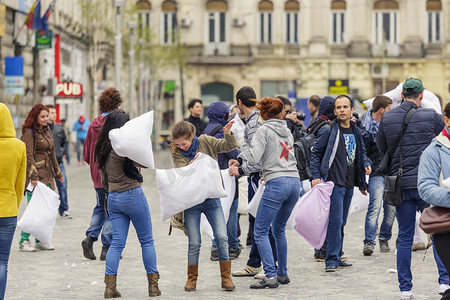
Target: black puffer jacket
x: 424, y: 125
x: 61, y: 143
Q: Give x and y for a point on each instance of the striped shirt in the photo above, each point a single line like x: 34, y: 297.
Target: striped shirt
x: 250, y: 128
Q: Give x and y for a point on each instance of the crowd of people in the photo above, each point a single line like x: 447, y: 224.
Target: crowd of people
x: 344, y: 152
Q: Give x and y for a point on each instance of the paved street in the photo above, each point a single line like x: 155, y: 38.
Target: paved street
x: 66, y: 274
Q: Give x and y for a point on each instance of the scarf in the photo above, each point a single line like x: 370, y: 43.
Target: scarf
x: 446, y: 132
x: 370, y: 124
x: 192, y: 151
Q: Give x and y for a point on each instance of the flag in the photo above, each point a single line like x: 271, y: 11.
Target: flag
x: 44, y: 20
x: 37, y: 16
x: 30, y: 17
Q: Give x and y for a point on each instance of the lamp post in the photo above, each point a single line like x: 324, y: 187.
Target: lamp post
x: 118, y: 39
x: 131, y: 26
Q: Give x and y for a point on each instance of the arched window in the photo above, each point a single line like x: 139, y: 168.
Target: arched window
x: 144, y: 8
x: 338, y: 8
x: 386, y: 21
x: 217, y: 5
x: 265, y: 21
x: 216, y: 91
x: 434, y: 15
x: 292, y: 9
x: 168, y: 22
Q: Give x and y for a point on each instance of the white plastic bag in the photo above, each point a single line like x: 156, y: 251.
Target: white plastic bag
x: 230, y: 188
x: 40, y: 215
x: 359, y: 202
x: 133, y: 140
x: 243, y: 195
x: 252, y: 207
x: 183, y: 188
x: 238, y: 128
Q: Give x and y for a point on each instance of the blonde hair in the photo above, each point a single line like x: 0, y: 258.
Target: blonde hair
x: 181, y: 129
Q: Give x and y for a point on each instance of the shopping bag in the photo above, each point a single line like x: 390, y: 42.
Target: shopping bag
x: 40, y: 215
x: 230, y: 187
x: 311, y: 219
x: 252, y: 207
x: 133, y: 140
x: 243, y: 195
x: 183, y: 188
x: 359, y: 202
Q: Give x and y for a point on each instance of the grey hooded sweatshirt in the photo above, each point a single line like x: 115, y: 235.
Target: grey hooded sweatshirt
x: 272, y: 146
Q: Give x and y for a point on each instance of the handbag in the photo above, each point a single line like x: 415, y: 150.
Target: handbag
x: 393, y: 183
x: 435, y: 219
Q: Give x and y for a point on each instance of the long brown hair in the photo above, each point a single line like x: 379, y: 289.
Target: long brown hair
x: 181, y: 129
x: 32, y: 116
x: 269, y: 107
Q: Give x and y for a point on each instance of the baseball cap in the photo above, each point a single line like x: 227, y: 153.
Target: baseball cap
x: 412, y: 86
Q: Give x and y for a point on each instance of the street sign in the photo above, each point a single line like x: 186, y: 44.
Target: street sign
x: 14, y: 81
x: 69, y: 89
x: 14, y: 90
x: 338, y: 87
x: 43, y: 40
x: 14, y: 66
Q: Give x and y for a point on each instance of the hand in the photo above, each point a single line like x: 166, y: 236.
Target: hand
x: 34, y: 182
x: 293, y: 116
x: 368, y: 170
x: 233, y: 171
x: 364, y: 192
x: 315, y: 182
x: 227, y: 128
x: 61, y: 178
x: 233, y: 162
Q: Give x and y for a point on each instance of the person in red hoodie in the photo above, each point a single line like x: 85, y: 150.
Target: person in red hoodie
x: 109, y: 101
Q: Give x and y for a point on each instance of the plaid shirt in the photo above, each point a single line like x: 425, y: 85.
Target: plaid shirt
x: 370, y: 124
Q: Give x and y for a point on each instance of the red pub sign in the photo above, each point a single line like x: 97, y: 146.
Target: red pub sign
x: 69, y: 90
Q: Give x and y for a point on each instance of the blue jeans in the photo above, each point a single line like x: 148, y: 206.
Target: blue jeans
x: 124, y: 207
x: 100, y: 219
x: 406, y: 217
x: 7, y: 228
x: 340, y: 200
x: 254, y: 260
x: 232, y: 223
x: 80, y: 144
x: 212, y: 209
x: 376, y: 189
x: 62, y: 189
x: 278, y: 201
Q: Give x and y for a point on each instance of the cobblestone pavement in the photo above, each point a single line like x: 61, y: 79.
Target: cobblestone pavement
x: 65, y: 274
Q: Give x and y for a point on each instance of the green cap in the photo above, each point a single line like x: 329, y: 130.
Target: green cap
x: 412, y: 86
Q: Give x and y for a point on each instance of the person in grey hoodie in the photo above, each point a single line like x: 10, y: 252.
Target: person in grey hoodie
x: 272, y: 146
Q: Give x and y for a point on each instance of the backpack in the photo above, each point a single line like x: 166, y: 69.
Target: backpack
x: 303, y: 146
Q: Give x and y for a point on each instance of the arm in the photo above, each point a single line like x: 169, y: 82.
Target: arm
x: 428, y: 179
x: 20, y: 179
x: 64, y: 143
x: 179, y: 159
x: 104, y: 179
x: 28, y: 139
x: 319, y: 148
x: 254, y: 152
x: 439, y: 123
x: 87, y: 147
x: 381, y: 139
x: 56, y: 170
x: 226, y: 144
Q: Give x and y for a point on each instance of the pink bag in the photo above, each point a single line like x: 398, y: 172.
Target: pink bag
x: 311, y: 219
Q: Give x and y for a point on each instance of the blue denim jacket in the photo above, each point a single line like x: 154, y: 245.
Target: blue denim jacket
x: 322, y: 154
x: 433, y: 167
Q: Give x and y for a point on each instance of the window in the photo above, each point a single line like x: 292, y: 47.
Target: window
x: 386, y: 22
x: 434, y: 21
x: 216, y: 27
x: 292, y: 20
x: 265, y: 22
x: 338, y: 22
x: 168, y: 23
x: 144, y: 10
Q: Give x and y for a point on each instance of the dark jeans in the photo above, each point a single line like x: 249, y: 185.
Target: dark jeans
x: 7, y: 228
x: 442, y: 246
x: 62, y: 189
x: 100, y: 220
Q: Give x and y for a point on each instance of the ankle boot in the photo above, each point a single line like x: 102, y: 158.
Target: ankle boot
x: 88, y: 250
x: 153, y: 289
x: 225, y: 272
x: 191, y: 282
x: 110, y: 290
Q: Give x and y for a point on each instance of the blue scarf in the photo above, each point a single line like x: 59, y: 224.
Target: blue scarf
x: 192, y: 151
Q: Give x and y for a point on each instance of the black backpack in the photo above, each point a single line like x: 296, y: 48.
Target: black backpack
x: 303, y: 145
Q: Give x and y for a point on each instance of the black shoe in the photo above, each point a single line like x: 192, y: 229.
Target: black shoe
x: 214, y: 254
x: 233, y: 252
x: 368, y: 249
x: 104, y: 252
x: 343, y: 265
x: 283, y: 279
x: 88, y: 251
x: 384, y: 246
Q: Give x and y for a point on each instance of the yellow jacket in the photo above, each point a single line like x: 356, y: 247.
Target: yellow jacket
x: 13, y: 165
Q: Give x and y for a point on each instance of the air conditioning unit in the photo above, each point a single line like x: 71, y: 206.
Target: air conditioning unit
x: 238, y: 22
x: 186, y: 22
x: 380, y: 70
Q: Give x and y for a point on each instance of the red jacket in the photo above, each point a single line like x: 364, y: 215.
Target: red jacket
x: 89, y: 149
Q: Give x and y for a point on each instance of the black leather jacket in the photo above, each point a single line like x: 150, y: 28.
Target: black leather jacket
x: 61, y: 143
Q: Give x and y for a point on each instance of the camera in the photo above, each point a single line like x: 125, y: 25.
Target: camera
x: 301, y: 116
x: 357, y: 119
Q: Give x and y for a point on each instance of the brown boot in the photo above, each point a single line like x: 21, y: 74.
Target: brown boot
x: 110, y: 290
x: 191, y: 282
x: 153, y: 289
x: 225, y: 272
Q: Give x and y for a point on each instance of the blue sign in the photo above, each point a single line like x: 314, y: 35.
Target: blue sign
x: 14, y: 66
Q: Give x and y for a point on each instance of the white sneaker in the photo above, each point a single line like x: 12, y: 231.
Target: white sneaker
x: 443, y: 288
x: 26, y: 247
x: 260, y: 275
x: 406, y: 295
x: 247, y: 271
x: 66, y: 215
x: 42, y: 246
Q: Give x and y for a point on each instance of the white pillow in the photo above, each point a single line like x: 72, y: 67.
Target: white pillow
x: 238, y: 128
x: 133, y: 140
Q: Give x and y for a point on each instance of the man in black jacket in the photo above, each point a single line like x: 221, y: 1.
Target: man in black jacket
x: 61, y: 144
x: 196, y: 109
x: 423, y: 126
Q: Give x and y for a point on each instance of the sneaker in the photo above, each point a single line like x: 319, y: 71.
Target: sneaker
x: 330, y: 268
x: 443, y: 288
x: 234, y: 252
x: 214, y: 254
x: 266, y: 283
x: 406, y: 295
x: 247, y: 271
x: 368, y: 249
x: 66, y: 215
x: 260, y: 275
x: 26, y: 247
x: 42, y: 246
x: 283, y: 279
x: 343, y: 265
x: 384, y: 246
x: 418, y: 246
